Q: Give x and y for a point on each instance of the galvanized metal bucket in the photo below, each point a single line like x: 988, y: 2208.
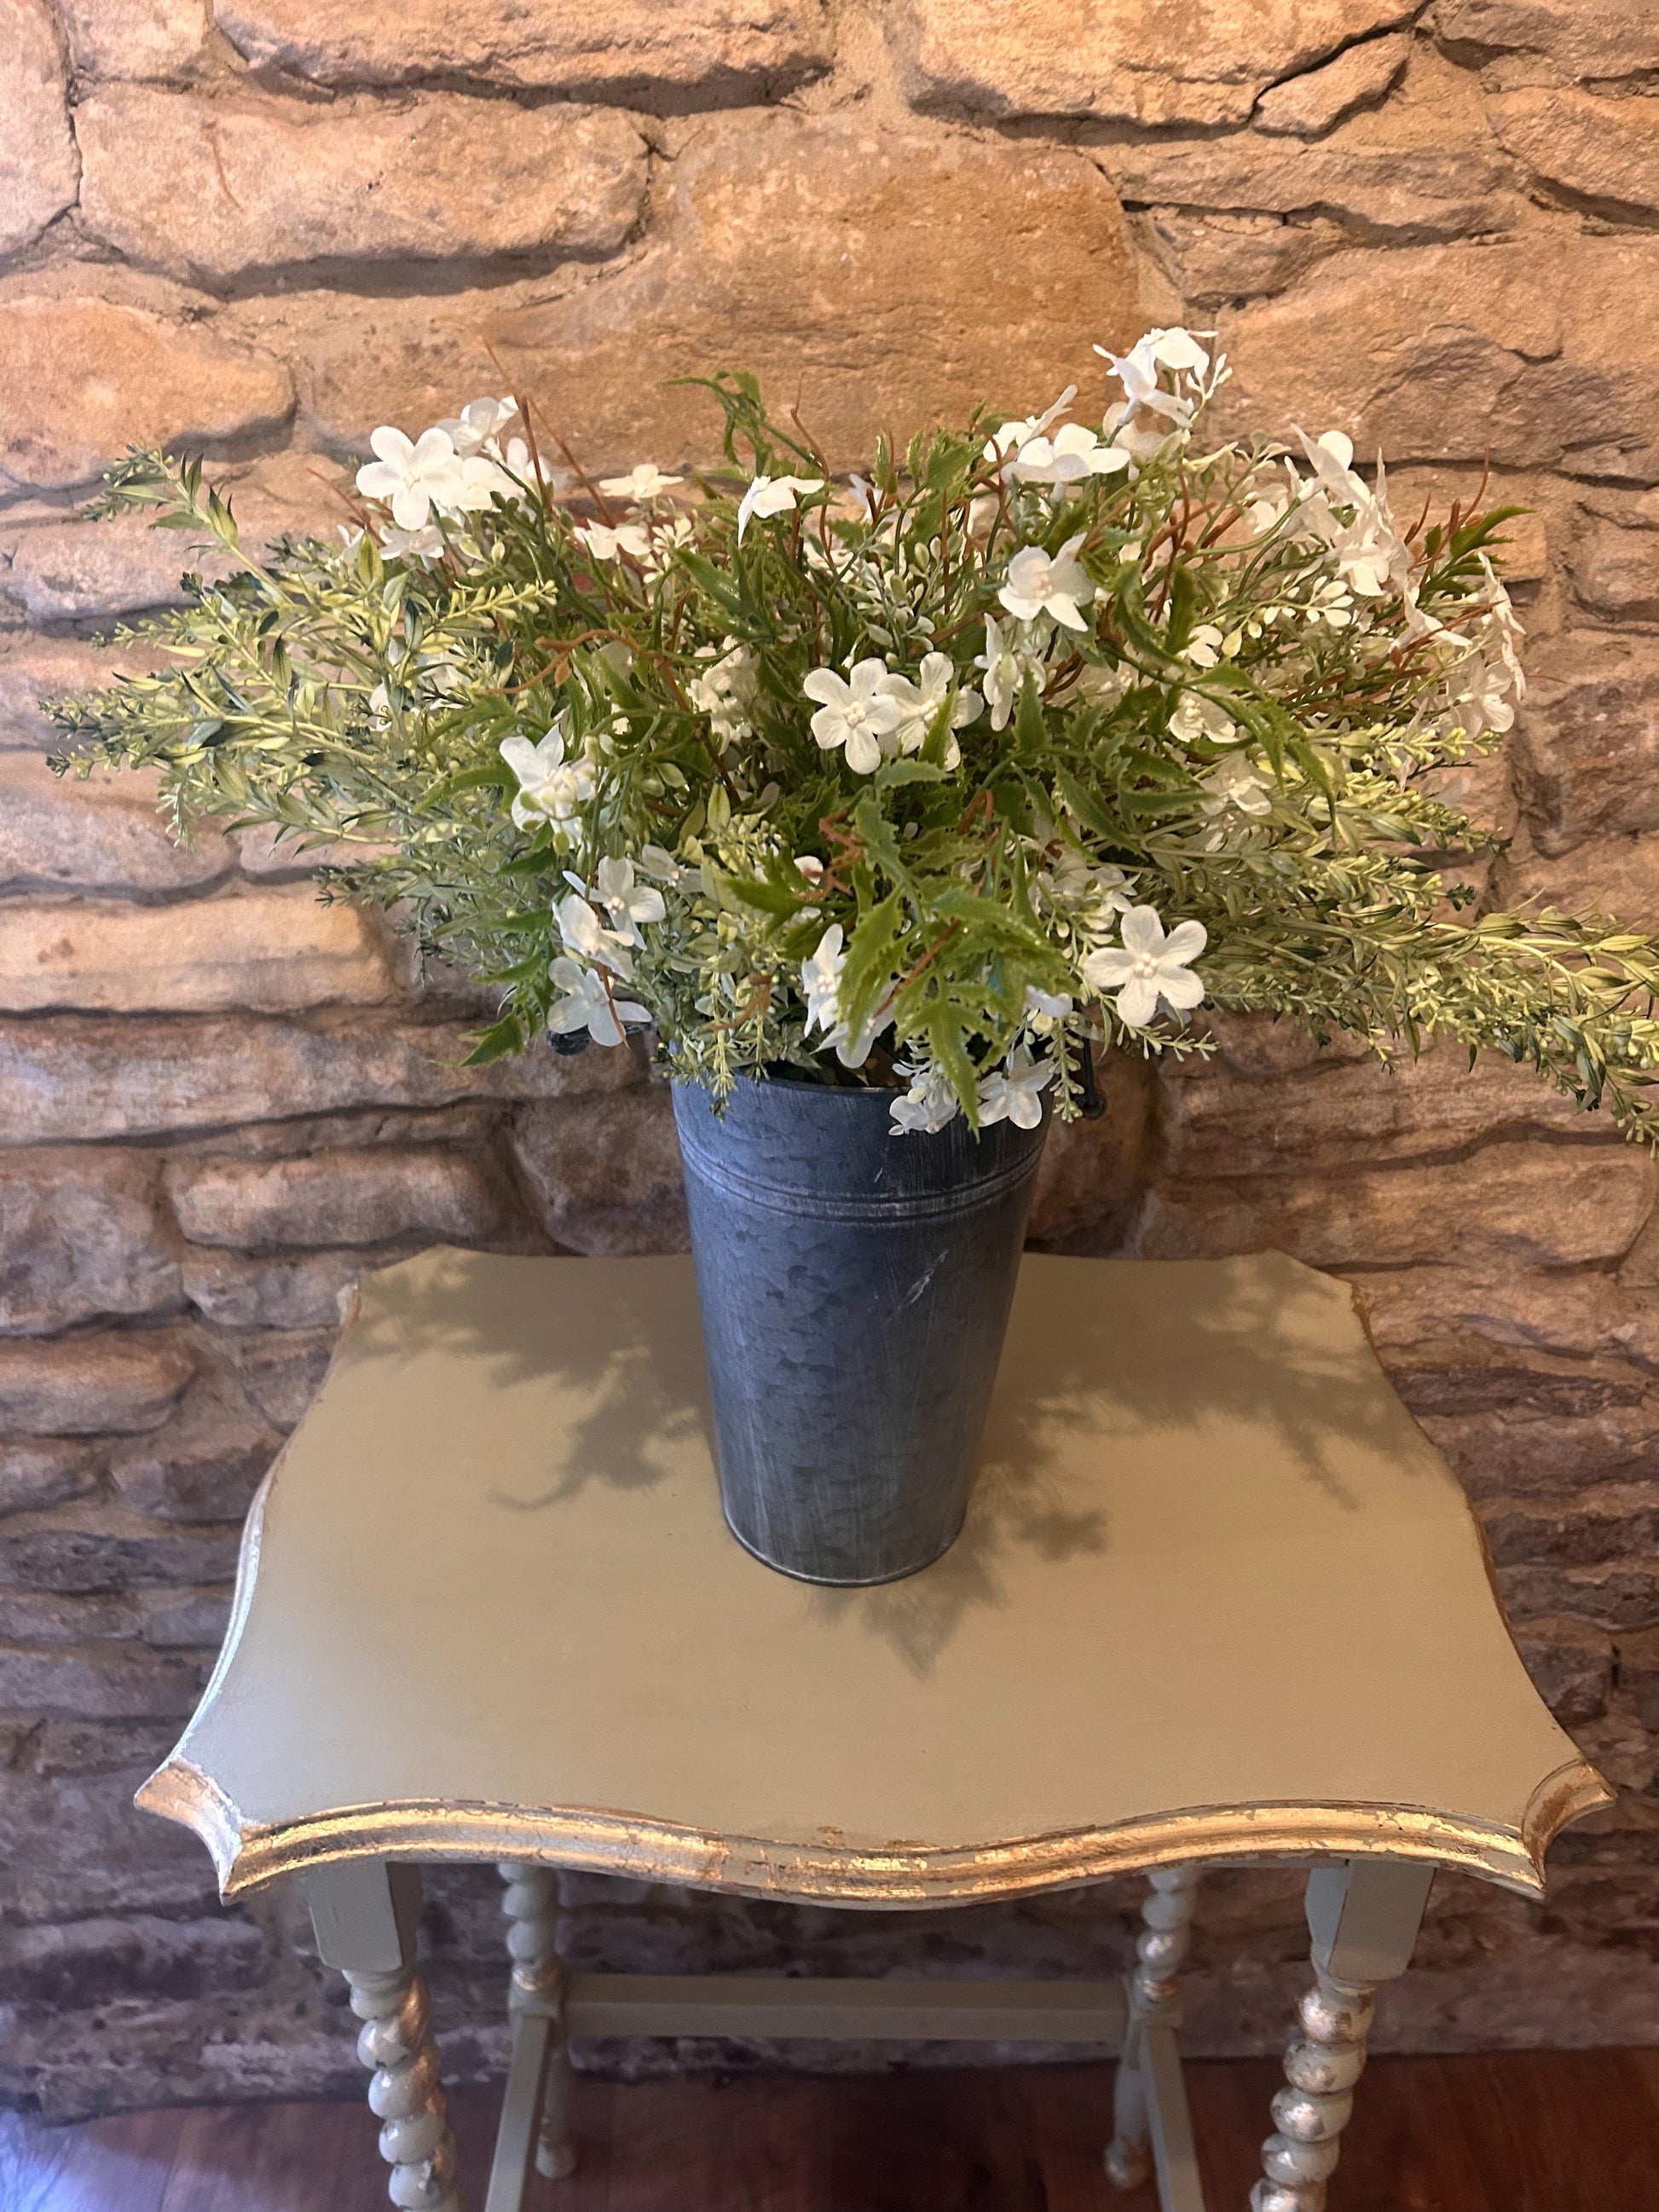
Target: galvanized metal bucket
x: 854, y: 1288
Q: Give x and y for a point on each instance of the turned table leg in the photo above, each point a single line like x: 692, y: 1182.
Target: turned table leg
x: 1363, y: 1916
x: 536, y: 2107
x: 1148, y: 2106
x: 364, y: 1913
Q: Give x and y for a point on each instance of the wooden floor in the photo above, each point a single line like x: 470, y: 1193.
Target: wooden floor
x: 1574, y: 2131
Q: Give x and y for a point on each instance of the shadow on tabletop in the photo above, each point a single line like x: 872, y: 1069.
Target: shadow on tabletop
x: 1118, y: 1349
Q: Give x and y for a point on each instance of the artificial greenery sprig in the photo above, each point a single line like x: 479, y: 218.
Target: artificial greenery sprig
x: 1042, y: 736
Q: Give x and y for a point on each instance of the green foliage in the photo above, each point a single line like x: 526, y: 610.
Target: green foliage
x: 1244, y: 724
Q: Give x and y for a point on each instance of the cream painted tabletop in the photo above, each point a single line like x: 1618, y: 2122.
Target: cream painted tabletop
x: 1216, y: 1597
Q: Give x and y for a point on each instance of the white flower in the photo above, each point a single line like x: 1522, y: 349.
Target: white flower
x: 1203, y: 647
x: 857, y: 713
x: 627, y: 902
x: 1073, y: 453
x: 583, y: 933
x: 478, y: 425
x: 550, y: 788
x: 1074, y: 882
x: 667, y: 538
x: 425, y: 544
x: 1011, y: 438
x: 1014, y: 1093
x: 1196, y: 717
x: 928, y: 1106
x: 774, y: 495
x: 820, y: 979
x: 611, y: 544
x: 1040, y: 583
x: 1137, y: 370
x: 586, y: 1004
x: 645, y: 481
x: 413, y: 477
x: 1100, y: 685
x: 661, y: 864
x: 1233, y: 785
x: 725, y: 692
x: 920, y: 704
x: 1044, y: 1008
x: 1149, y: 967
x: 1003, y: 671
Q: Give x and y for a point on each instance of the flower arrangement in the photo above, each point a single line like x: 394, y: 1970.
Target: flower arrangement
x: 1028, y: 743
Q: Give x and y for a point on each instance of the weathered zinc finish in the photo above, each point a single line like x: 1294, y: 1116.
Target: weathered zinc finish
x: 854, y: 1288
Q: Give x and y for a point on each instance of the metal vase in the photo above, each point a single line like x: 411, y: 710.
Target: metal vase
x: 854, y: 1288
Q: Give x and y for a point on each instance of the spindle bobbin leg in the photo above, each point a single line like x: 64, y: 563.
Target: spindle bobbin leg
x: 1166, y: 1933
x: 1363, y: 1916
x: 539, y: 2081
x: 365, y: 1914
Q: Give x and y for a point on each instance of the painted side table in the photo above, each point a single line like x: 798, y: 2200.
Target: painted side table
x: 1218, y: 1601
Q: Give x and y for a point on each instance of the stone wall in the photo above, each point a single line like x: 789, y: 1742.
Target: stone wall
x: 259, y: 229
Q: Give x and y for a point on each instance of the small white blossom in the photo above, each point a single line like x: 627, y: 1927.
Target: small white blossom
x: 1196, y: 719
x: 628, y: 903
x: 1014, y: 1093
x: 1043, y: 1009
x: 856, y: 712
x: 1073, y: 453
x: 1149, y: 967
x: 644, y: 482
x: 725, y: 692
x: 550, y: 787
x: 661, y: 864
x: 1005, y: 444
x: 774, y: 495
x: 929, y: 1105
x: 479, y: 425
x: 1041, y: 583
x: 1203, y: 647
x: 413, y: 476
x: 583, y: 933
x: 1234, y: 786
x: 920, y: 703
x: 820, y: 983
x: 586, y: 1003
x: 1003, y: 671
x: 425, y: 544
x: 604, y: 544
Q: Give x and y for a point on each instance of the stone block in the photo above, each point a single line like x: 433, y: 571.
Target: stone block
x: 81, y: 1239
x: 1548, y: 1204
x: 36, y: 1472
x: 1638, y: 1674
x: 1226, y: 257
x: 1615, y: 571
x: 38, y: 167
x: 102, y: 832
x: 1586, y: 752
x: 1126, y: 62
x: 1572, y: 1663
x: 163, y: 39
x: 78, y: 1077
x: 644, y: 52
x: 83, y: 378
x: 33, y: 668
x: 265, y: 949
x: 797, y: 231
x: 1089, y: 1185
x: 1617, y: 876
x: 92, y: 571
x: 53, y: 1617
x: 609, y: 1182
x: 93, y: 1385
x: 95, y: 1961
x: 1307, y: 106
x: 299, y: 1293
x: 111, y: 1682
x: 1601, y: 152
x: 185, y: 1620
x: 214, y: 187
x: 283, y: 1373
x: 1582, y: 1528
x: 1516, y: 350
x: 357, y: 1196
x: 1622, y: 1593
x: 1613, y: 39
x: 94, y: 1547
x: 205, y: 1462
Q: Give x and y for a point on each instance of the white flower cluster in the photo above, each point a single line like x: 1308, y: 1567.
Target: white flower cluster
x: 454, y: 468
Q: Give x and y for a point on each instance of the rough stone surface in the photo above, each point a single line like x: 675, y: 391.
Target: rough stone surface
x: 37, y: 165
x: 135, y: 39
x: 81, y: 379
x: 797, y: 234
x: 218, y: 187
x: 629, y: 49
x: 1307, y: 106
x: 219, y: 1104
x: 1123, y: 63
x: 81, y: 1239
x: 1519, y: 351
x: 266, y: 950
x: 1602, y: 151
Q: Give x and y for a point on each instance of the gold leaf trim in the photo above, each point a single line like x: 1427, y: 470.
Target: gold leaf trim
x: 248, y: 1855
